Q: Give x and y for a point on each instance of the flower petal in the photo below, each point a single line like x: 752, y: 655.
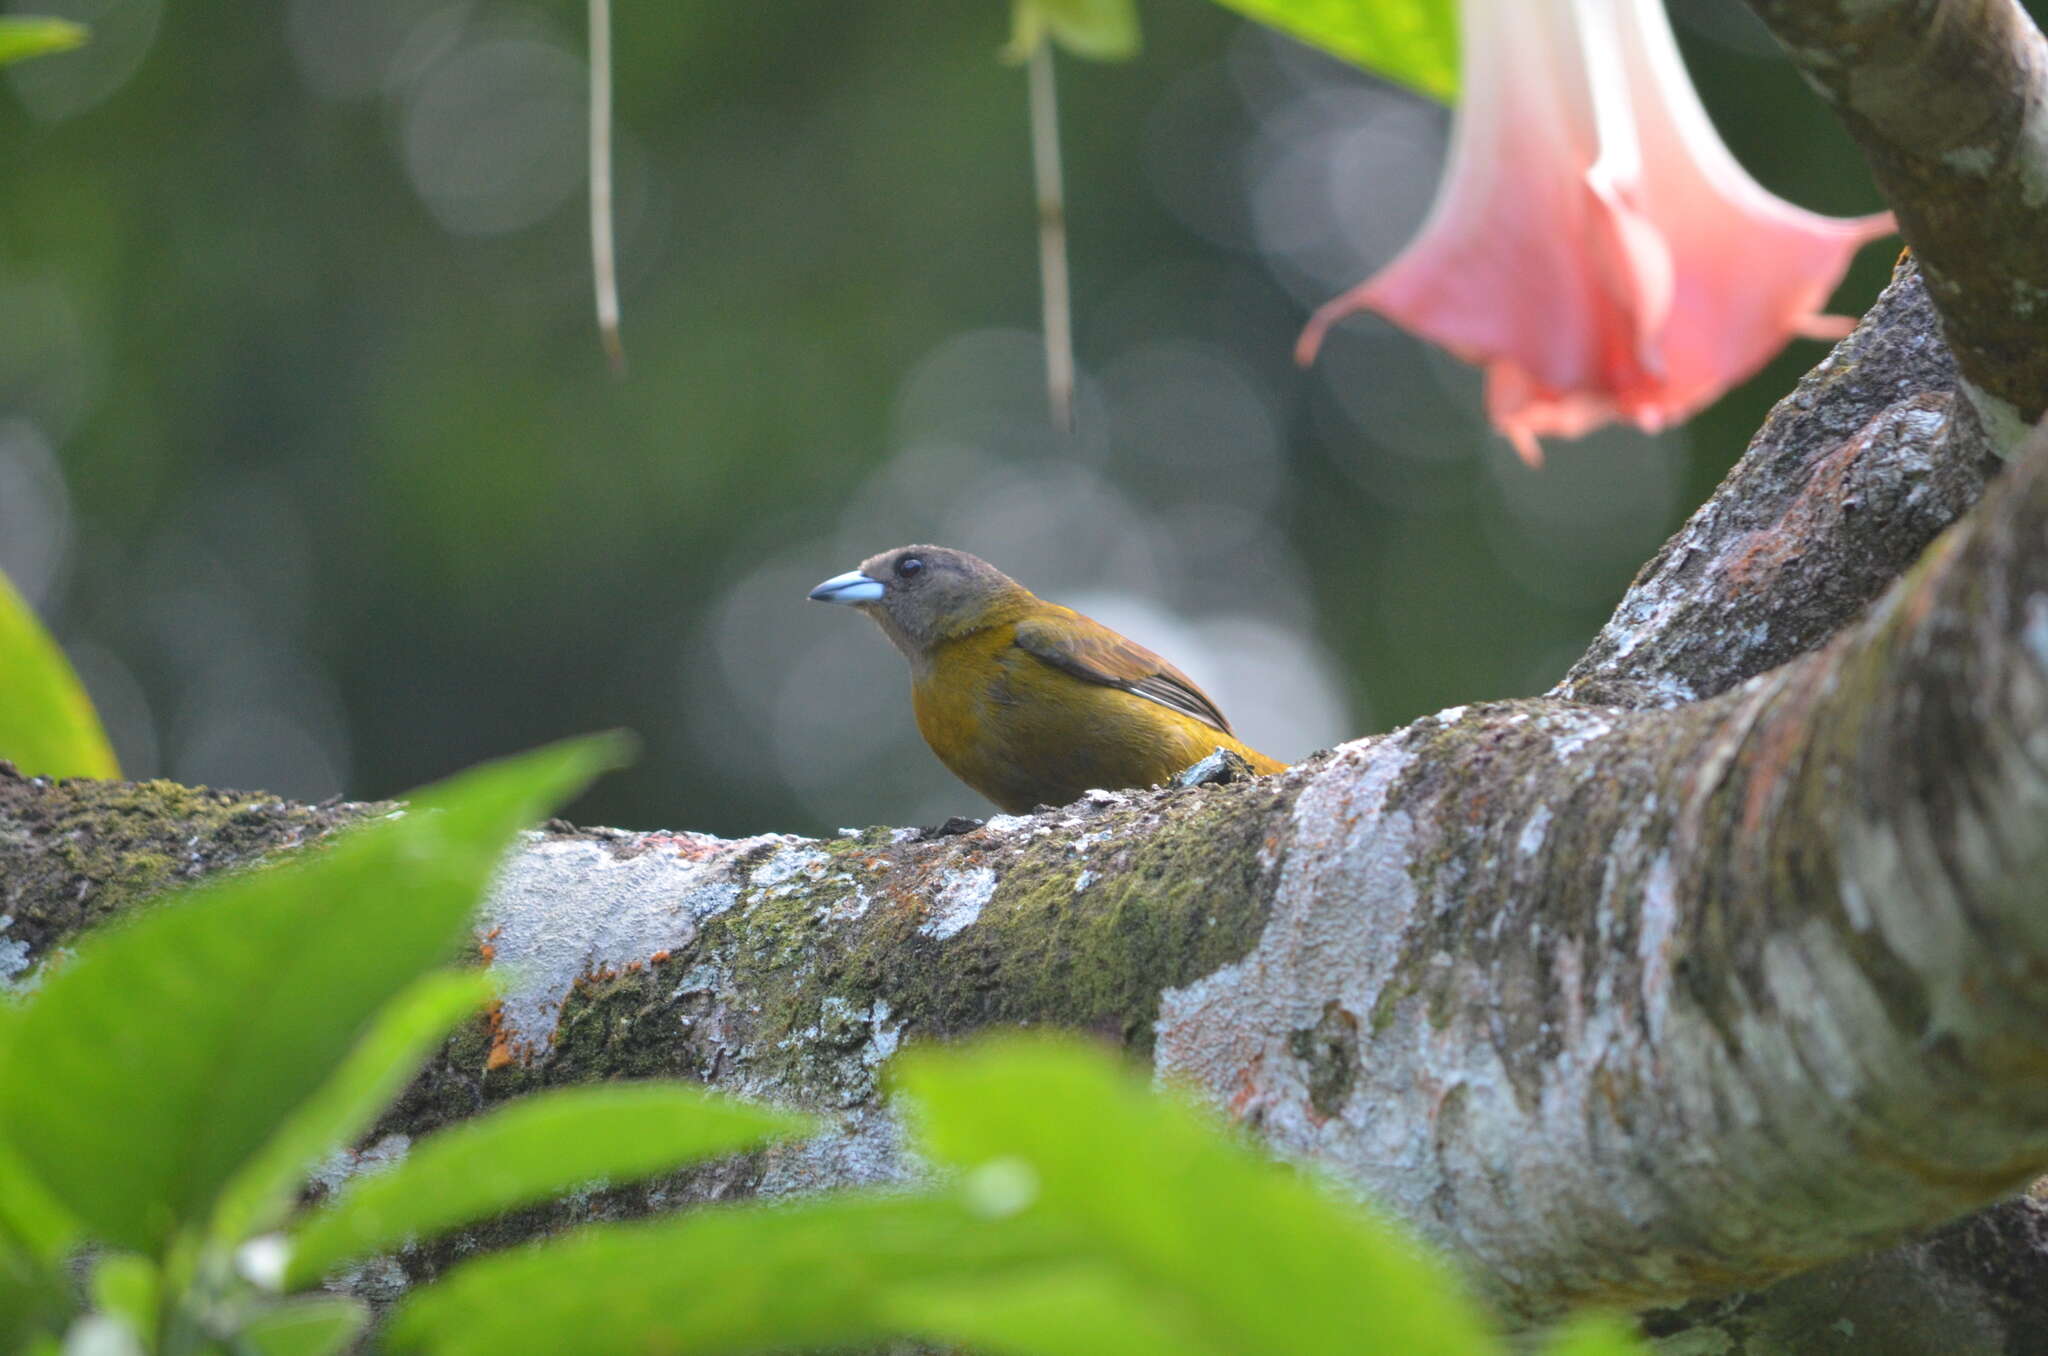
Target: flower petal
x: 1595, y: 247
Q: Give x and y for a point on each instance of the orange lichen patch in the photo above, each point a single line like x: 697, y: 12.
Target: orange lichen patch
x: 485, y: 948
x: 1770, y: 551
x: 1249, y: 1099
x: 691, y: 847
x: 501, y: 1039
x: 658, y: 957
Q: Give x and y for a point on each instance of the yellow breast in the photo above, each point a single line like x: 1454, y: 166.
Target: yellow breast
x: 1026, y: 734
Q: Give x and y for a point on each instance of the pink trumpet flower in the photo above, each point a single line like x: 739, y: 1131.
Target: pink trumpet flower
x: 1594, y: 245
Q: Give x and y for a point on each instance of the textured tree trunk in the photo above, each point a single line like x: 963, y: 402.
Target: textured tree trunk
x: 1949, y: 101
x: 1654, y: 1002
x: 1707, y: 984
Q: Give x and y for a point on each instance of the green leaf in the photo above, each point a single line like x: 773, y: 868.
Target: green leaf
x: 128, y: 1287
x: 47, y: 725
x: 403, y: 1034
x: 1101, y: 30
x: 529, y: 1151
x: 1597, y: 1334
x: 34, y: 1301
x: 1081, y: 1310
x: 1412, y: 42
x: 717, y: 1280
x: 34, y: 1225
x: 32, y: 1221
x: 150, y: 1068
x: 1250, y: 1254
x: 307, y: 1327
x: 21, y: 38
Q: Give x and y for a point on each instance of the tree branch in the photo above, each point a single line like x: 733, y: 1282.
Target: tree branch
x: 1626, y: 1005
x: 1733, y: 976
x: 1949, y: 101
x: 1850, y: 478
x: 1643, y: 1004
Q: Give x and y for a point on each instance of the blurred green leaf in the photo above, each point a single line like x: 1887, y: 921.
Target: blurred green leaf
x: 1598, y: 1335
x: 1249, y: 1254
x: 718, y: 1280
x: 529, y: 1151
x: 1101, y: 30
x: 106, y: 1335
x: 1093, y: 1216
x: 1412, y: 42
x: 32, y: 1221
x: 129, y: 1287
x: 306, y: 1327
x: 403, y: 1034
x: 150, y: 1068
x: 47, y: 725
x: 24, y: 37
x: 33, y: 1301
x: 1076, y: 1310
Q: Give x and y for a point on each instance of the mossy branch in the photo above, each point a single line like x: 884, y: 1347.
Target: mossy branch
x: 1949, y: 101
x: 1635, y: 1003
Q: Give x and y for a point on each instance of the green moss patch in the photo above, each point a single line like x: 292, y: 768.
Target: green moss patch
x: 74, y: 853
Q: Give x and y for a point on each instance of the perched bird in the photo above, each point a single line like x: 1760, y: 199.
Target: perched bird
x: 1028, y: 702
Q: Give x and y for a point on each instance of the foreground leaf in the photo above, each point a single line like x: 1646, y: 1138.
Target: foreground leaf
x: 527, y: 1152
x: 408, y: 1029
x: 23, y: 37
x: 47, y: 725
x: 308, y: 1327
x: 150, y: 1068
x: 1247, y: 1253
x: 1412, y: 42
x: 128, y: 1287
x: 1599, y: 1335
x: 1081, y: 1309
x: 35, y: 1302
x: 33, y: 1223
x: 718, y: 1280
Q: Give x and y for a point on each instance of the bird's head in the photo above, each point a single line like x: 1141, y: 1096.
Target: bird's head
x: 920, y: 595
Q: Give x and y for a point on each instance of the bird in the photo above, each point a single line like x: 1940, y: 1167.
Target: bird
x: 1028, y: 702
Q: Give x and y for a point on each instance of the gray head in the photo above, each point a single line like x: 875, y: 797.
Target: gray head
x: 920, y: 595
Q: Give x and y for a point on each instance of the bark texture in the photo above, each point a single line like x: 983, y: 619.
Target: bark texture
x: 1652, y: 1004
x: 1850, y: 478
x: 1713, y: 983
x: 1949, y: 101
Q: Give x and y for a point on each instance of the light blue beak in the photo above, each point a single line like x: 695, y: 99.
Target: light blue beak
x: 851, y: 587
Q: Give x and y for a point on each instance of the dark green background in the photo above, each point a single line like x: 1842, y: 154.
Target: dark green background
x: 353, y: 500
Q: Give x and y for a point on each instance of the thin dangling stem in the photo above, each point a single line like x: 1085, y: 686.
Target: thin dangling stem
x: 1052, y: 239
x: 603, y: 264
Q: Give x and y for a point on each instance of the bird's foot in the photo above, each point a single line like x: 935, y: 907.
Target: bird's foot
x: 953, y: 827
x: 1219, y: 769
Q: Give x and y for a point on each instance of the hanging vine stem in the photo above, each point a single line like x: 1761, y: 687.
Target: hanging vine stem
x: 1052, y: 237
x: 603, y: 263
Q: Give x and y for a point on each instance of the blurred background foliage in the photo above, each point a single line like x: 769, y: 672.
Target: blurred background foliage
x: 311, y: 459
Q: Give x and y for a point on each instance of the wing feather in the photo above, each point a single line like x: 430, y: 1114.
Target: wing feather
x: 1090, y: 651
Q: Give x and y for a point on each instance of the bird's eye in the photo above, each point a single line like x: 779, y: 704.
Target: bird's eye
x: 908, y: 567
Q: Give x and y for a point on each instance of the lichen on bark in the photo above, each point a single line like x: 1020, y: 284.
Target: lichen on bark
x: 75, y: 853
x: 1849, y: 479
x: 1722, y: 961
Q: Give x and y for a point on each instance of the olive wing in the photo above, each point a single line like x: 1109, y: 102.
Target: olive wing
x: 1090, y: 651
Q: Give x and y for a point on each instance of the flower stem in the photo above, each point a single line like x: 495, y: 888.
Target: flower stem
x: 603, y: 264
x: 1052, y: 239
